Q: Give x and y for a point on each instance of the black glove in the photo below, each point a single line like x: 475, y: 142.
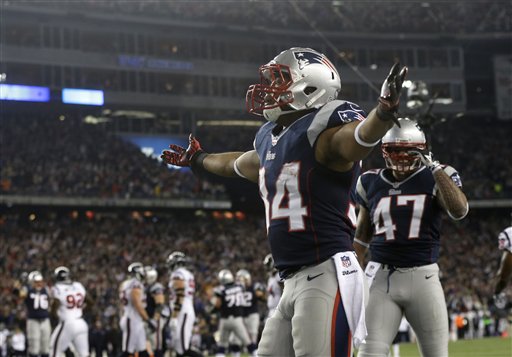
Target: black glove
x: 389, y: 99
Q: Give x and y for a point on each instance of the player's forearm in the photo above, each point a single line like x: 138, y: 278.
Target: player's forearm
x: 373, y: 128
x: 452, y: 198
x: 221, y: 164
x: 504, y: 272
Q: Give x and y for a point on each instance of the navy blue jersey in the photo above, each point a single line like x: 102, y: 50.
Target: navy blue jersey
x: 37, y: 303
x: 232, y: 297
x: 250, y: 303
x: 309, y: 209
x: 152, y: 290
x: 405, y: 215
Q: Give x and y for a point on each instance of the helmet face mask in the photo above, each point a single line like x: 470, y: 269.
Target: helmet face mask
x: 397, y: 143
x: 296, y: 79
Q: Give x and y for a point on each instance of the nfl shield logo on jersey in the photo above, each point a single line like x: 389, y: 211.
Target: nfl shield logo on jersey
x: 345, y: 261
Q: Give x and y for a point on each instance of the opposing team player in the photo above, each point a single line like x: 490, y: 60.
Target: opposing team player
x: 37, y: 302
x: 505, y: 269
x: 250, y: 314
x: 157, y: 311
x: 274, y: 285
x: 133, y: 299
x: 229, y: 301
x: 401, y: 208
x: 69, y: 300
x: 306, y: 161
x: 182, y: 286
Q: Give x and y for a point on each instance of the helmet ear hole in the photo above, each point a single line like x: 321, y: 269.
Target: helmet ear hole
x: 309, y: 90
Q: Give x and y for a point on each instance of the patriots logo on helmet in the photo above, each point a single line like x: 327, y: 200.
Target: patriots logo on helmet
x: 345, y: 261
x: 305, y: 58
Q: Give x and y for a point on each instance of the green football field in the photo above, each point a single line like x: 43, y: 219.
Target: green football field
x: 486, y: 347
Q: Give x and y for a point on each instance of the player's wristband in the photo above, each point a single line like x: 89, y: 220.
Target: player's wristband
x: 360, y: 242
x: 196, y: 163
x: 361, y: 141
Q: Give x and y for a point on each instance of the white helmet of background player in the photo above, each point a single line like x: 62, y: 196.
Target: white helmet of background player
x: 268, y: 263
x: 243, y: 277
x: 296, y: 79
x: 61, y: 274
x: 35, y: 276
x: 176, y: 260
x: 398, y: 141
x: 226, y: 277
x: 151, y: 274
x: 137, y: 271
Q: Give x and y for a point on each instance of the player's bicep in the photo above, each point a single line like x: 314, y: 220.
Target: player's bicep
x: 248, y: 165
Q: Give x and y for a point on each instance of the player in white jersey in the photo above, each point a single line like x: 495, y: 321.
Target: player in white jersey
x: 182, y: 286
x: 505, y: 269
x: 274, y: 285
x: 69, y: 300
x: 134, y: 316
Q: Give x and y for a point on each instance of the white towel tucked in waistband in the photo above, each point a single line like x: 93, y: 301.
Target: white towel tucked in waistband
x: 353, y: 293
x: 371, y: 269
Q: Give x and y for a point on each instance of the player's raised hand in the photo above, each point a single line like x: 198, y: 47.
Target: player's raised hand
x: 427, y: 160
x: 390, y: 93
x: 179, y: 156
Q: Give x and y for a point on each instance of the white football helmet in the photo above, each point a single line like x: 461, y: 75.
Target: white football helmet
x: 226, y: 277
x: 151, y: 274
x: 399, y: 141
x: 176, y: 260
x: 243, y: 277
x: 35, y: 276
x: 296, y: 79
x: 61, y: 274
x: 137, y: 271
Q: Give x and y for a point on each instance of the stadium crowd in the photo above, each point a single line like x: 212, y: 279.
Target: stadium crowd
x: 453, y: 17
x: 72, y: 159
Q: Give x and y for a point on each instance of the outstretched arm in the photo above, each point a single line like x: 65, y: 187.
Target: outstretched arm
x: 229, y: 164
x: 354, y: 141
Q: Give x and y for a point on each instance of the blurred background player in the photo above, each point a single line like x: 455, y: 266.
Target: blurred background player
x: 401, y: 209
x: 250, y: 314
x: 68, y: 302
x: 505, y: 269
x: 182, y: 287
x: 156, y: 310
x: 274, y: 285
x: 37, y: 301
x: 229, y: 301
x: 133, y: 298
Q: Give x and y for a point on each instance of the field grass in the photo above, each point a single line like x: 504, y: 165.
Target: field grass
x: 486, y: 347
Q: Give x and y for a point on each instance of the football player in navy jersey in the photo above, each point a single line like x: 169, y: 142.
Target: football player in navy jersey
x: 401, y: 208
x: 305, y: 161
x: 37, y: 301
